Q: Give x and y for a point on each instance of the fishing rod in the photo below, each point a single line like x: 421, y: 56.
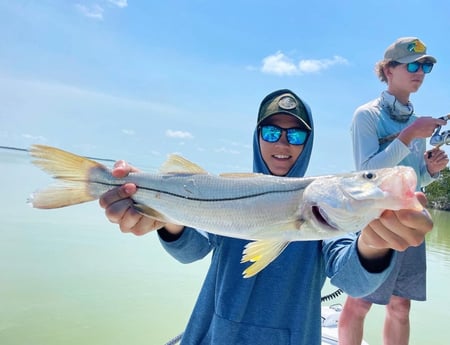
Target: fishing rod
x: 26, y: 150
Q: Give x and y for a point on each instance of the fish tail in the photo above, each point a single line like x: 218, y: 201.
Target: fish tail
x: 71, y: 170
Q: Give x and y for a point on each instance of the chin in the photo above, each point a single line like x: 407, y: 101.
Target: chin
x: 279, y: 172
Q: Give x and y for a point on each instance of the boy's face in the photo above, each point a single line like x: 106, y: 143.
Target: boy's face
x: 280, y: 156
x: 402, y: 81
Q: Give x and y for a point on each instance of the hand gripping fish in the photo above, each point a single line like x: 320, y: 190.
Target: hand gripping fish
x: 269, y: 210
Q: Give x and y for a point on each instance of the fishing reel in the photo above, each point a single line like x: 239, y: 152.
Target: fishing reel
x: 441, y: 138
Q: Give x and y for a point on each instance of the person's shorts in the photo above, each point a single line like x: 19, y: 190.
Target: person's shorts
x: 407, y: 279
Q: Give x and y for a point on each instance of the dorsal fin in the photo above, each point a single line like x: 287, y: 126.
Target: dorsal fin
x: 175, y: 164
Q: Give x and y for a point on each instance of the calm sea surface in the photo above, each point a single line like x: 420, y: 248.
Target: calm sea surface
x: 68, y: 276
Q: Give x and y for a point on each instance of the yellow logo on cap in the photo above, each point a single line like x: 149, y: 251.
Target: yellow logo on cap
x: 416, y: 46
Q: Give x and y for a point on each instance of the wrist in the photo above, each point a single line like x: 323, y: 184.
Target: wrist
x: 405, y: 137
x: 368, y: 252
x: 170, y: 232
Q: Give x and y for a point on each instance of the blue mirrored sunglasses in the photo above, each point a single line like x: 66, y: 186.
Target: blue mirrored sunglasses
x: 413, y: 67
x: 272, y: 133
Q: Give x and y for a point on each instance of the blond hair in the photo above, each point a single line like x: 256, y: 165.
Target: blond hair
x: 379, y: 69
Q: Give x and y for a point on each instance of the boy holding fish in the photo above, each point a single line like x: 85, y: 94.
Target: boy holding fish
x: 281, y: 304
x: 386, y: 133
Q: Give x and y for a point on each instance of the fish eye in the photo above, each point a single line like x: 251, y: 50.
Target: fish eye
x: 369, y: 175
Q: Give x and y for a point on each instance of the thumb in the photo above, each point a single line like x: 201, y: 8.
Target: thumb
x: 121, y: 169
x: 422, y: 198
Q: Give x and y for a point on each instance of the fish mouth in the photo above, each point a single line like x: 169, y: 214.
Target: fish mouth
x: 322, y: 218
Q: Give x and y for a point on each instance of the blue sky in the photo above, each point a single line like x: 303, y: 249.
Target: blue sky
x: 137, y: 80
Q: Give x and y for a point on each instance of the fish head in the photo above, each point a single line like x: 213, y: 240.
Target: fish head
x: 348, y: 202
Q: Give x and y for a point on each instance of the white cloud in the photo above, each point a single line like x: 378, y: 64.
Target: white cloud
x: 119, y: 3
x: 179, y: 134
x: 94, y: 11
x: 280, y: 64
x: 34, y: 137
x: 128, y: 131
x: 313, y: 66
x: 227, y: 150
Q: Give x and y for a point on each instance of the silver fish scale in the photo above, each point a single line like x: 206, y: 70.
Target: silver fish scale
x: 238, y: 207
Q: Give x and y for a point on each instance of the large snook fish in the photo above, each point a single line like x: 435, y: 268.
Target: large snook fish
x: 270, y: 210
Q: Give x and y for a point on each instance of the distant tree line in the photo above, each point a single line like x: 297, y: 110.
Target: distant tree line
x: 438, y: 192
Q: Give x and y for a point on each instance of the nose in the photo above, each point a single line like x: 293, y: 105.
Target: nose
x: 283, y: 139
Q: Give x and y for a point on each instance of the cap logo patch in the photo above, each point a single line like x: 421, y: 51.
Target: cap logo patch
x: 416, y: 46
x: 287, y: 103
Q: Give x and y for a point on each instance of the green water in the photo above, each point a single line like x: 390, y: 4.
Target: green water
x: 429, y: 319
x: 68, y: 276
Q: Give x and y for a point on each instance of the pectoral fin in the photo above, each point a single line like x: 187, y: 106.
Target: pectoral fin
x: 261, y: 253
x: 364, y: 192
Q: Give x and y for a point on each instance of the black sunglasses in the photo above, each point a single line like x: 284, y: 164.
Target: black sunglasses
x: 272, y: 133
x: 413, y: 67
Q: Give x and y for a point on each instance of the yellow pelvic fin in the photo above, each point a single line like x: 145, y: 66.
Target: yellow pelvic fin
x: 261, y: 253
x: 72, y: 170
x: 176, y: 164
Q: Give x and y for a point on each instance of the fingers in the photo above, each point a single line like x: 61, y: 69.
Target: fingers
x: 122, y: 169
x: 117, y: 194
x: 404, y: 228
x: 442, y: 121
x: 435, y: 121
x: 137, y: 224
x: 422, y: 198
x: 425, y: 126
x: 436, y: 160
x: 436, y: 154
x: 119, y: 206
x: 119, y: 209
x: 123, y: 213
x: 398, y: 229
x: 417, y: 222
x: 387, y: 232
x: 142, y: 226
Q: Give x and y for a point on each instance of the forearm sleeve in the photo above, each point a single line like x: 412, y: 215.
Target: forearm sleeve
x: 346, y: 270
x: 191, y: 246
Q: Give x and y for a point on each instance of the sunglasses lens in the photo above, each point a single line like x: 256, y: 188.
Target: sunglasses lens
x: 270, y: 134
x: 427, y: 67
x: 296, y: 136
x: 412, y: 67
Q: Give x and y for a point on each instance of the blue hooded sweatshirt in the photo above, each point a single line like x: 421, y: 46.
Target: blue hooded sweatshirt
x: 281, y: 304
